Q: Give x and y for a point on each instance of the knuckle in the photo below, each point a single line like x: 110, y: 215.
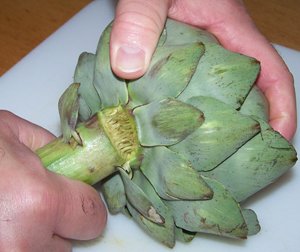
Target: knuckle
x: 5, y: 114
x: 129, y: 24
x: 141, y: 16
x: 40, y: 201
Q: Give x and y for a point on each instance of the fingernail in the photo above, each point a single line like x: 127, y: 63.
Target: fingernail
x: 130, y: 59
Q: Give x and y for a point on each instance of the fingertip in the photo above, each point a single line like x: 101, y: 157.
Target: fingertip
x: 129, y: 61
x: 81, y: 212
x: 287, y: 128
x: 134, y: 36
x: 94, y: 209
x: 102, y: 219
x: 130, y: 54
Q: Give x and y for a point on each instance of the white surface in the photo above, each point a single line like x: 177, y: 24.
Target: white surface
x: 31, y: 90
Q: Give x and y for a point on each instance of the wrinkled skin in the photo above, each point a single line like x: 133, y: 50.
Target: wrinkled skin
x: 39, y: 210
x: 138, y: 24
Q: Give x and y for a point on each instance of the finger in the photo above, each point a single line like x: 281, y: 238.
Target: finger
x: 238, y: 33
x: 281, y: 96
x: 81, y: 214
x: 275, y: 80
x: 136, y: 29
x: 29, y: 134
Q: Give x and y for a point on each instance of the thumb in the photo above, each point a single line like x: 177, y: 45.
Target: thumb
x: 81, y: 214
x: 135, y: 33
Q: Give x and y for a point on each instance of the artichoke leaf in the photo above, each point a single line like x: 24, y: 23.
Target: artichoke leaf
x: 139, y: 200
x: 183, y: 235
x: 179, y: 33
x: 220, y: 215
x: 223, y: 75
x: 162, y: 37
x: 111, y: 89
x: 256, y: 105
x: 170, y: 71
x: 222, y: 124
x: 68, y: 107
x: 114, y: 193
x: 166, y: 122
x: 164, y: 233
x: 256, y: 164
x: 251, y: 221
x: 172, y: 176
x: 89, y: 100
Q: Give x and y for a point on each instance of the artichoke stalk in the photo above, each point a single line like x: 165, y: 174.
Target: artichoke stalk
x: 179, y: 149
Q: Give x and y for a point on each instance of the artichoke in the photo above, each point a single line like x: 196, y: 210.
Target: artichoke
x: 179, y: 149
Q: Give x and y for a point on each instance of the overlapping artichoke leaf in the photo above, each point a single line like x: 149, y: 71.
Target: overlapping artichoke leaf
x: 164, y: 232
x: 162, y: 37
x: 139, y: 200
x: 114, y: 193
x: 89, y: 100
x: 166, y: 122
x: 251, y: 221
x: 256, y: 105
x: 256, y: 164
x: 220, y: 215
x: 183, y: 235
x: 224, y: 131
x: 223, y: 75
x: 111, y: 89
x: 169, y: 73
x: 179, y: 33
x: 172, y: 176
x: 68, y: 107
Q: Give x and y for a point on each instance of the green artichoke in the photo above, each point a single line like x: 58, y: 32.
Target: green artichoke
x: 178, y: 149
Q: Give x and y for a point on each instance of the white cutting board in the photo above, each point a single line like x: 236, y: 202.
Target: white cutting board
x: 32, y: 88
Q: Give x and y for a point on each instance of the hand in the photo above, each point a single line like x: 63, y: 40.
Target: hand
x: 138, y: 24
x: 40, y: 210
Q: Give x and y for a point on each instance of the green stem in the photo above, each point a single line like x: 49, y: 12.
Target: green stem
x: 90, y: 162
x: 107, y: 141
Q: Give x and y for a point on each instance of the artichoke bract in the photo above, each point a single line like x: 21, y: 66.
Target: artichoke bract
x: 179, y: 149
